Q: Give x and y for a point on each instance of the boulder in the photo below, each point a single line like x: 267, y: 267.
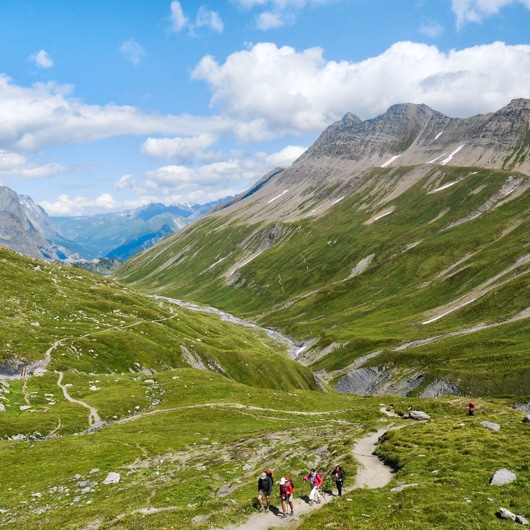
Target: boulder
x: 417, y: 415
x: 490, y: 425
x: 502, y: 477
x: 506, y: 514
x: 112, y: 478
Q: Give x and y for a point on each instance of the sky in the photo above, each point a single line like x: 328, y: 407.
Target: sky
x: 107, y: 106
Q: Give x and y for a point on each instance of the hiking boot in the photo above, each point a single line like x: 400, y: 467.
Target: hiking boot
x: 284, y: 516
x: 267, y: 510
x: 260, y: 509
x: 291, y: 514
x: 318, y: 502
x: 310, y: 503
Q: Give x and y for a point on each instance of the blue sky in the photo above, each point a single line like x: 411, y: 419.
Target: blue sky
x: 109, y: 105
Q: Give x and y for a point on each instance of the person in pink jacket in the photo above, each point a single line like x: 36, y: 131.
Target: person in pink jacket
x: 315, y: 481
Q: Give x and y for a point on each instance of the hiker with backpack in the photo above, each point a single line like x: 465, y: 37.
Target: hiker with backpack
x: 338, y: 477
x: 286, y: 495
x: 265, y: 483
x: 315, y: 481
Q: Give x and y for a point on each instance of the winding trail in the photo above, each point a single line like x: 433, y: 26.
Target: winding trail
x: 93, y: 418
x: 372, y: 473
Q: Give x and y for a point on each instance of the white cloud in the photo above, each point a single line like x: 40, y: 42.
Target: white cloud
x: 177, y: 18
x: 183, y: 149
x: 65, y: 205
x: 211, y: 180
x: 268, y: 20
x: 46, y: 114
x: 16, y: 165
x: 41, y: 59
x: 122, y: 182
x: 431, y: 28
x: 477, y: 10
x: 277, y: 13
x: 132, y: 51
x: 280, y: 4
x: 286, y: 156
x: 300, y: 91
x: 210, y: 19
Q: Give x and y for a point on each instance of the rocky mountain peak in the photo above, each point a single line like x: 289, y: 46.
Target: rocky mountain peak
x: 406, y: 135
x: 16, y: 228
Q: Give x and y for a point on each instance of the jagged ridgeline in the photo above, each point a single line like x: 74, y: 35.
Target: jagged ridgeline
x: 58, y: 318
x: 398, y: 248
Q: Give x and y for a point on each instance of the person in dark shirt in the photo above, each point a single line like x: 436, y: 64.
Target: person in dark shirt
x: 264, y: 490
x: 338, y: 477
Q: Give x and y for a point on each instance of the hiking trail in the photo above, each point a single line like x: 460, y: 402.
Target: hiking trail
x: 93, y: 418
x: 372, y: 473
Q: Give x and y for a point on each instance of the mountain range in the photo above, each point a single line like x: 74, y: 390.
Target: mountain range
x: 28, y: 229
x: 396, y: 249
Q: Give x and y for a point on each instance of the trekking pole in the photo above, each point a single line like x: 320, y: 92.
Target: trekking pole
x: 322, y: 493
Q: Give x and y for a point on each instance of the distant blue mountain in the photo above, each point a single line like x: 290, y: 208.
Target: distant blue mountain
x: 120, y: 235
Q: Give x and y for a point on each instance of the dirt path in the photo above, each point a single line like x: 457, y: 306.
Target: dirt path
x: 93, y: 418
x: 372, y: 473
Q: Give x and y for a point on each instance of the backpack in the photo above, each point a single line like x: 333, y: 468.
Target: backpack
x: 290, y: 480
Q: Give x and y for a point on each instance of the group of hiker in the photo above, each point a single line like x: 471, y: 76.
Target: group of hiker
x: 315, y: 480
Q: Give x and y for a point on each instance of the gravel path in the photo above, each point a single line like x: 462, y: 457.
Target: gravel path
x: 372, y: 473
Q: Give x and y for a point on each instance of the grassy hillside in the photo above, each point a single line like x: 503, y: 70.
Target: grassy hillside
x: 435, y: 277
x: 189, y: 445
x: 65, y: 319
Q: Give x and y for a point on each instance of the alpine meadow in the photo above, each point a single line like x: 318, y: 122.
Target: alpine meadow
x: 384, y: 273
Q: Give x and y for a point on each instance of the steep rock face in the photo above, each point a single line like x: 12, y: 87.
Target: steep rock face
x: 347, y: 152
x: 384, y: 136
x: 17, y: 230
x: 414, y: 133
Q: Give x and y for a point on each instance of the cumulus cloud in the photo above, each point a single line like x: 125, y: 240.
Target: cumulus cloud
x: 65, y: 205
x: 183, y: 149
x: 212, y: 181
x: 46, y: 114
x: 210, y: 19
x: 209, y: 182
x: 301, y: 91
x: 286, y: 156
x: 267, y: 91
x: 41, y: 59
x: 177, y: 18
x: 16, y: 165
x: 132, y: 51
x: 478, y: 10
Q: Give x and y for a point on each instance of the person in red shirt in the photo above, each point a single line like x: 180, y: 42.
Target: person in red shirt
x: 286, y: 495
x: 315, y: 481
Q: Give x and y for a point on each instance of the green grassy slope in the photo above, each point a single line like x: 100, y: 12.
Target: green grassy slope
x: 453, y: 256
x: 89, y: 324
x: 189, y: 446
